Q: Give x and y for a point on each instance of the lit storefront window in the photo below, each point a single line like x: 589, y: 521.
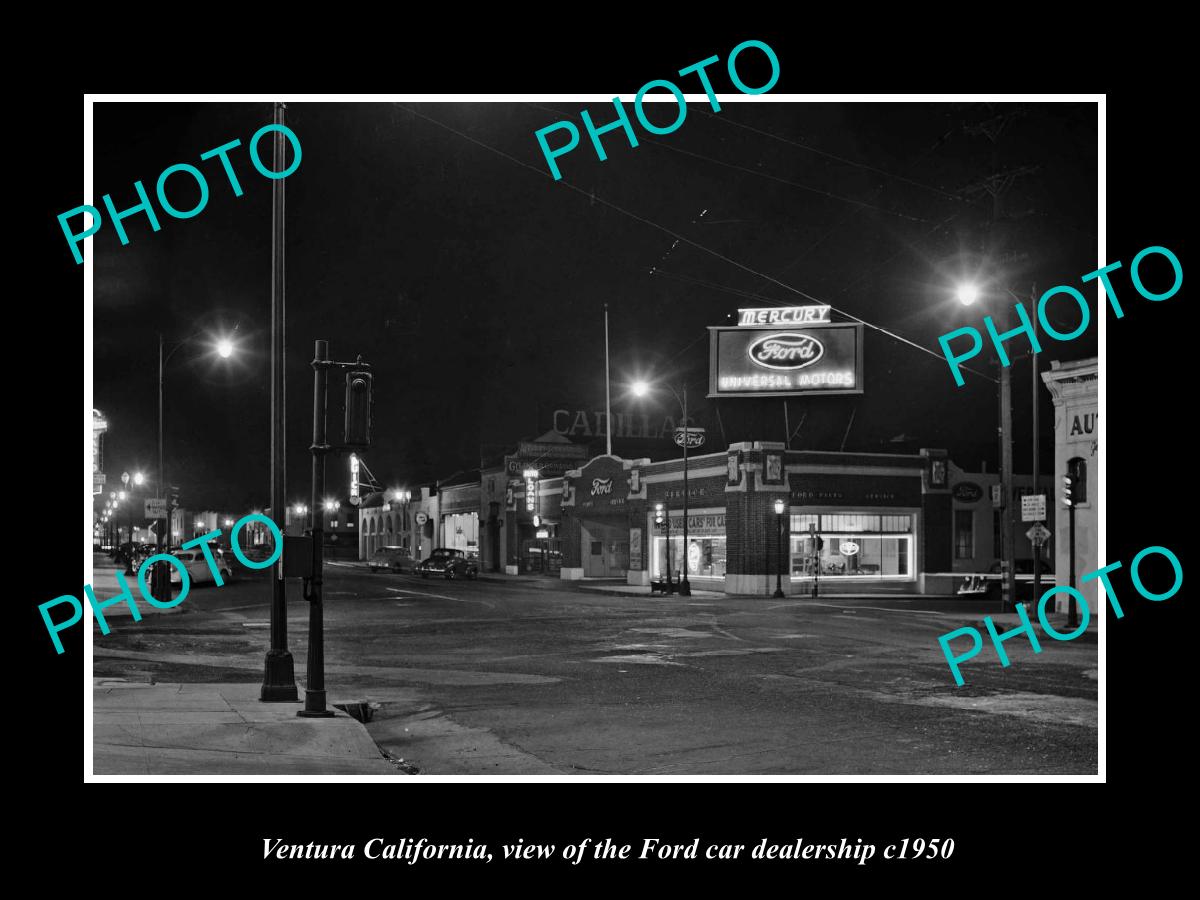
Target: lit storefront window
x: 855, y: 545
x: 706, y: 547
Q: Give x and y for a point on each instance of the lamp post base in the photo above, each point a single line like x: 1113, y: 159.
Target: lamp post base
x: 314, y: 706
x: 279, y: 678
x: 685, y: 588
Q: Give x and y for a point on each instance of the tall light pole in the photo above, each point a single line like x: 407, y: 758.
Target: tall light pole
x: 402, y: 496
x: 967, y: 295
x: 160, y: 578
x: 607, y: 391
x: 279, y: 673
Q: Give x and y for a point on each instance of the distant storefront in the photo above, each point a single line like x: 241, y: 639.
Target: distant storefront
x: 459, y: 514
x: 976, y: 523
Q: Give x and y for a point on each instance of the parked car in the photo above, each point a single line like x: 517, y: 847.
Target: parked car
x: 197, y: 567
x: 397, y: 559
x: 449, y: 563
x: 1023, y: 567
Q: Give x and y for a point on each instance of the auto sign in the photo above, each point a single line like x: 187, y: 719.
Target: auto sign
x: 691, y: 436
x: 848, y: 548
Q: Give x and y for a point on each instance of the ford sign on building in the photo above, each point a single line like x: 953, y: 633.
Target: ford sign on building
x: 784, y: 359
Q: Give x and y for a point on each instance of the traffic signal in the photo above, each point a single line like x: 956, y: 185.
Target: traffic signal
x: 659, y: 516
x: 358, y: 409
x: 173, y: 497
x: 1075, y: 482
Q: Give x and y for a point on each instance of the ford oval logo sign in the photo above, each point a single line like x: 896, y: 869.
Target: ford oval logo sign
x: 967, y: 492
x: 785, y: 351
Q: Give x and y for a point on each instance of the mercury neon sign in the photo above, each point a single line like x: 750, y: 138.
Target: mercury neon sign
x: 784, y: 315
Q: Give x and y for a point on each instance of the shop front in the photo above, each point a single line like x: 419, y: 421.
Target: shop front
x: 459, y: 513
x: 596, y: 524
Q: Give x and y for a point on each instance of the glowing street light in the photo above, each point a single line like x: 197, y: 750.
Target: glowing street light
x: 139, y: 478
x: 225, y: 348
x: 640, y: 389
x: 967, y: 294
x: 331, y: 505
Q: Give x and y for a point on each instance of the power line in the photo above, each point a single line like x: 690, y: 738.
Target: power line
x: 804, y: 187
x: 596, y: 198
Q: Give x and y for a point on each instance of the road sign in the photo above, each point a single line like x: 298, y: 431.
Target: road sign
x: 156, y: 507
x: 1039, y: 534
x: 1033, y: 508
x: 692, y: 435
x: 997, y: 496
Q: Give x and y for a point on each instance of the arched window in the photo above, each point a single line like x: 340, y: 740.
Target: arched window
x: 389, y: 525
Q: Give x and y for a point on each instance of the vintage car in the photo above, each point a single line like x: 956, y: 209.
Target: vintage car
x: 449, y: 563
x: 395, y: 559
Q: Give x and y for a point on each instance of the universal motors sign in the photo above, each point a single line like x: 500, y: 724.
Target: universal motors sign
x: 783, y: 352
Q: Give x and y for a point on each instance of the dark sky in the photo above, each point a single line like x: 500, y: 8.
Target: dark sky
x: 475, y: 286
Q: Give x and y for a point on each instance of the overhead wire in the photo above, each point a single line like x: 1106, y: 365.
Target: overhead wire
x: 596, y: 198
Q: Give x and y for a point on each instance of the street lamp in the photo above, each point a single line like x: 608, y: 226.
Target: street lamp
x: 403, y: 496
x: 663, y: 518
x: 968, y: 293
x: 641, y: 389
x: 779, y: 548
x: 160, y: 579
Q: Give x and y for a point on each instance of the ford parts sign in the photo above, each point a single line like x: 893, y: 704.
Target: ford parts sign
x: 785, y: 362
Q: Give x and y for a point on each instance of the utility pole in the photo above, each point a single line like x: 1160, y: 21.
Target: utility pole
x: 996, y: 184
x: 685, y: 586
x: 279, y: 675
x: 1034, y: 379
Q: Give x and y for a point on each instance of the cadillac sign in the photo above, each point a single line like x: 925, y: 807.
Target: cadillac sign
x: 785, y: 360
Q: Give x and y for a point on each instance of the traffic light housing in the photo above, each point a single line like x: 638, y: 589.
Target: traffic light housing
x: 1075, y: 482
x: 358, y: 409
x: 173, y: 497
x: 659, y: 515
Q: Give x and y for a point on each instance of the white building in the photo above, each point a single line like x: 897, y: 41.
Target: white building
x: 1072, y: 386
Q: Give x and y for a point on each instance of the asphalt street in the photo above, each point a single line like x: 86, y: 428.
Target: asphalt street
x: 535, y: 676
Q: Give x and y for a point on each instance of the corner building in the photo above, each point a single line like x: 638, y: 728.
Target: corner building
x: 853, y: 522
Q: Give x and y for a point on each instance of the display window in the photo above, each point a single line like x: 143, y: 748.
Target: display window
x: 853, y: 545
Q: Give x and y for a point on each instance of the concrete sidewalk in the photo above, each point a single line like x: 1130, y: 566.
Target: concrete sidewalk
x: 221, y: 729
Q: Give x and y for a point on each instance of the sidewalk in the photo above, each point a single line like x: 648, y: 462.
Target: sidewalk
x: 221, y: 729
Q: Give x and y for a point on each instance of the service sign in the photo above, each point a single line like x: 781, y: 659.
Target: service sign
x: 785, y: 360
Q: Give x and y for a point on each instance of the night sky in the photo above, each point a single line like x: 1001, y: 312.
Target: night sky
x: 475, y: 286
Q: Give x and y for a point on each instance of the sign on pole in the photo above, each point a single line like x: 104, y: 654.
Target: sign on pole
x: 156, y: 507
x: 1033, y: 508
x: 691, y: 436
x: 1038, y: 534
